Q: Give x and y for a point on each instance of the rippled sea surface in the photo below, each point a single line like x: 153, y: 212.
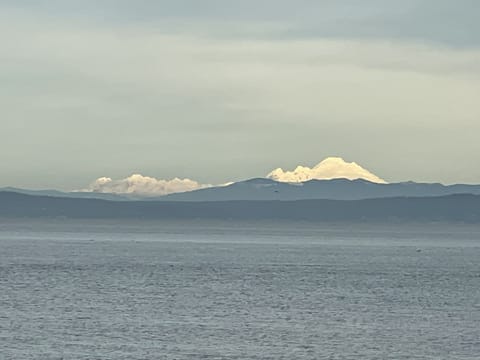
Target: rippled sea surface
x: 139, y: 290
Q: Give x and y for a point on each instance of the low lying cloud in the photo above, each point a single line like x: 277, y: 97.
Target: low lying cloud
x: 144, y: 185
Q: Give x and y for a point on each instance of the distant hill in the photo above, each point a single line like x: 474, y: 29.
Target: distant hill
x: 453, y: 208
x: 74, y: 194
x: 337, y: 189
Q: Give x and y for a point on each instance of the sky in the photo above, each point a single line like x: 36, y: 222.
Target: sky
x: 220, y: 91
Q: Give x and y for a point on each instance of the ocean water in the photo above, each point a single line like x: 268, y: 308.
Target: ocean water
x: 144, y: 290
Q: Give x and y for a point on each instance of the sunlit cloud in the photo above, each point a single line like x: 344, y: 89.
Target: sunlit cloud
x: 137, y: 184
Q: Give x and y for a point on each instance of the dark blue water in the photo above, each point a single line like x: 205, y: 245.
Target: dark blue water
x: 73, y: 290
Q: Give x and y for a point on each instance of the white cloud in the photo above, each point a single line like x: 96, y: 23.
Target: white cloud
x: 330, y: 168
x: 144, y: 185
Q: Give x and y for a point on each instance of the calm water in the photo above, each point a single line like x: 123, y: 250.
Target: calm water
x: 72, y: 290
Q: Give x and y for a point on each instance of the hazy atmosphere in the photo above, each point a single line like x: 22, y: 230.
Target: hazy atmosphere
x: 219, y: 179
x: 220, y: 91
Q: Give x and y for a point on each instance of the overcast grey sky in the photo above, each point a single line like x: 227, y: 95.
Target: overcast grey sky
x: 226, y: 90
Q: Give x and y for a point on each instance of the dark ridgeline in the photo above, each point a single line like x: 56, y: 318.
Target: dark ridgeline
x: 267, y: 189
x: 336, y: 189
x: 451, y: 208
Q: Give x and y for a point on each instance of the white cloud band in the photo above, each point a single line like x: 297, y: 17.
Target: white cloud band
x: 144, y: 185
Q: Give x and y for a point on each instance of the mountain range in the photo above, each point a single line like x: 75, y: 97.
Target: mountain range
x: 267, y: 189
x: 336, y: 189
x: 331, y: 179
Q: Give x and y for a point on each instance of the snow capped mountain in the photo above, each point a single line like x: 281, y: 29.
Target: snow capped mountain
x: 330, y: 168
